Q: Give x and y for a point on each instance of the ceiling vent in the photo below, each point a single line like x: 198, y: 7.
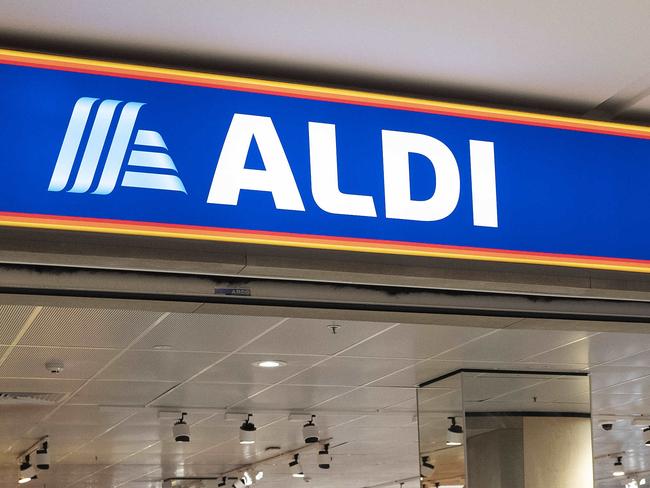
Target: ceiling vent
x: 29, y: 398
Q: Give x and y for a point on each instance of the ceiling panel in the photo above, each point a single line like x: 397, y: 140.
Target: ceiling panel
x: 214, y: 395
x: 158, y: 365
x: 604, y: 376
x: 417, y: 341
x: 369, y: 399
x: 87, y: 327
x: 344, y: 371
x: 206, y: 332
x: 106, y: 392
x: 239, y: 368
x: 597, y: 349
x: 88, y: 415
x: 639, y: 386
x: 29, y: 362
x: 419, y: 373
x: 12, y: 318
x: 39, y: 385
x: 512, y: 345
x: 286, y: 397
x: 312, y: 336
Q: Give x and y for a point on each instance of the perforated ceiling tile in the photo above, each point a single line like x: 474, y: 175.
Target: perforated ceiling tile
x: 120, y: 392
x: 416, y: 341
x: 158, y: 365
x: 87, y: 327
x: 369, y: 398
x: 240, y: 368
x: 29, y: 362
x: 345, y: 371
x: 512, y: 345
x: 12, y: 318
x: 287, y: 397
x: 60, y: 434
x: 312, y: 336
x: 21, y: 417
x: 206, y: 332
x: 39, y: 385
x: 88, y: 415
x: 605, y: 376
x: 212, y: 395
x: 597, y: 349
x: 419, y: 373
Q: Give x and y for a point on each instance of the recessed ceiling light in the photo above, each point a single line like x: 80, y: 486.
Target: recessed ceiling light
x: 162, y: 347
x: 269, y: 363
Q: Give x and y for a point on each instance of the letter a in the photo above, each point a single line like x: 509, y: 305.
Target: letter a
x: 230, y: 176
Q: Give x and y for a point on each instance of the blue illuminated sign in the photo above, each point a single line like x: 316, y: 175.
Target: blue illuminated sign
x: 116, y: 148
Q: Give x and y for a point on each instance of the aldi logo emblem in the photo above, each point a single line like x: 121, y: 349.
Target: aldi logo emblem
x: 149, y: 166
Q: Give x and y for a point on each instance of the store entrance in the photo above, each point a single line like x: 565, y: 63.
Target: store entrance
x: 110, y: 369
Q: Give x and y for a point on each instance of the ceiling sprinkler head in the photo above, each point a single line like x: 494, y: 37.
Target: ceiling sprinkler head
x: 334, y: 328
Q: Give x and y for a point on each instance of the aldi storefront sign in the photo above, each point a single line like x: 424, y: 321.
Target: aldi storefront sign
x: 106, y: 147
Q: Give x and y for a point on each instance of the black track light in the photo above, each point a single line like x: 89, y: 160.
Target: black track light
x: 454, y: 433
x: 426, y: 468
x: 181, y: 430
x: 27, y: 471
x: 324, y: 457
x: 310, y: 431
x: 294, y: 467
x: 42, y: 458
x: 247, y: 431
x: 618, y: 467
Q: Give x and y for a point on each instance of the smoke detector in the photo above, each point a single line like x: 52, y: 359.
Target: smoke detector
x: 54, y: 366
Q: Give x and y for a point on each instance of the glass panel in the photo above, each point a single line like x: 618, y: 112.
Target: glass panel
x: 442, y: 461
x: 511, y: 430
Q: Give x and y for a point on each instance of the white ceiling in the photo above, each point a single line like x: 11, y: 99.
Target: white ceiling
x: 566, y: 55
x: 361, y: 382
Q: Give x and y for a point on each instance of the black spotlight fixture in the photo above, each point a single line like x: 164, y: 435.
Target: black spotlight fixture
x: 247, y: 431
x: 618, y: 467
x: 27, y: 472
x: 42, y: 457
x: 324, y: 457
x: 310, y: 431
x: 426, y: 468
x: 454, y: 433
x: 294, y: 467
x: 181, y: 430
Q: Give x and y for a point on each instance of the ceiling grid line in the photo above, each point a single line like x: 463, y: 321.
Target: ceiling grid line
x: 23, y: 330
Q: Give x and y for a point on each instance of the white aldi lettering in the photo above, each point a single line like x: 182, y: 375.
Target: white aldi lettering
x: 230, y: 176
